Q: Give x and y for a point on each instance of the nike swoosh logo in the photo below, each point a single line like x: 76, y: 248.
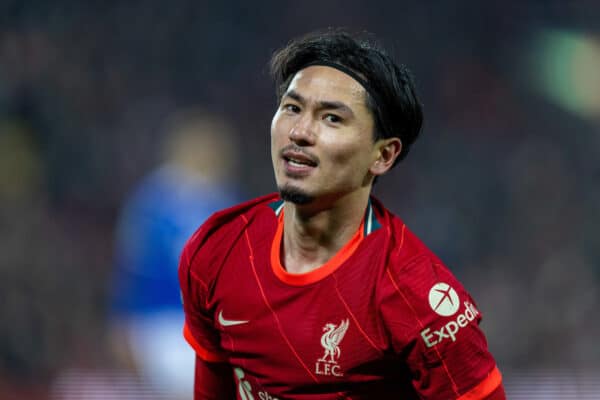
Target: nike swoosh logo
x: 229, y: 322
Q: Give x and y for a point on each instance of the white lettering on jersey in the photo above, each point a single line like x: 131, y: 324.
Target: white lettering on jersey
x: 449, y: 330
x: 245, y: 389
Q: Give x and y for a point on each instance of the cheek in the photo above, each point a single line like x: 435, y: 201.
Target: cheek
x: 349, y: 154
x: 274, y: 122
x: 277, y: 130
x: 279, y: 134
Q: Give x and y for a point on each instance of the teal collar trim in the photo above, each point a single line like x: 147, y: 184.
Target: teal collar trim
x: 371, y: 222
x: 277, y: 206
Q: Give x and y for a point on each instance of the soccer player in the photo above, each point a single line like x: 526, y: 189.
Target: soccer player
x: 319, y: 292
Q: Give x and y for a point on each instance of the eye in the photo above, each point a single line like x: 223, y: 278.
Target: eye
x: 291, y: 108
x: 334, y: 119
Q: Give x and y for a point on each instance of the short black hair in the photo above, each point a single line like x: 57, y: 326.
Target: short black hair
x: 391, y: 94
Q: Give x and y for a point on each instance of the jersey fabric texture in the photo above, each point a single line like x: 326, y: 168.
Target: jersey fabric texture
x: 383, y: 318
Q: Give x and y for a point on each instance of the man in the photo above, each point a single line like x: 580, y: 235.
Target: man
x: 145, y: 316
x: 320, y: 292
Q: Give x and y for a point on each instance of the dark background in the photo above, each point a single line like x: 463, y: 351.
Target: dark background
x: 504, y: 184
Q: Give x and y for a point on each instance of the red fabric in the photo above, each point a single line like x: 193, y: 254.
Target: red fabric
x: 214, y: 381
x: 490, y: 388
x: 368, y: 328
x: 497, y: 394
x: 200, y: 351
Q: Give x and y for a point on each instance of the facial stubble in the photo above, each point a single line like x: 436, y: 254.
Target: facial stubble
x: 295, y: 195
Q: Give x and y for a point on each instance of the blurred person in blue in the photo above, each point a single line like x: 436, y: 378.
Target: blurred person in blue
x: 156, y: 219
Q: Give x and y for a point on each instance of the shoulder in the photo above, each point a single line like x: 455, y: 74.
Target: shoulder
x: 403, y: 247
x: 431, y: 319
x: 413, y: 272
x: 407, y: 254
x: 213, y: 239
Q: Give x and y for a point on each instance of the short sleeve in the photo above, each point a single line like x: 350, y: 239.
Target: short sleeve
x: 433, y: 326
x: 198, y: 328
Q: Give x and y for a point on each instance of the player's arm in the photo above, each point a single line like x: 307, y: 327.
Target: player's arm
x: 213, y: 381
x: 497, y: 394
x: 490, y: 388
x: 434, y: 326
x: 213, y: 374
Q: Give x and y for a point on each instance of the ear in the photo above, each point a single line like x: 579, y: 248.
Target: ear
x: 387, y: 150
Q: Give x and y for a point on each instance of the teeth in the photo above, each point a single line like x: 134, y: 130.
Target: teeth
x: 296, y: 163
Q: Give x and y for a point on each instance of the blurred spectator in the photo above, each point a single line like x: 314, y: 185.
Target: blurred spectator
x: 165, y: 208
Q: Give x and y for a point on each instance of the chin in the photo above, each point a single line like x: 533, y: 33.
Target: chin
x: 295, y: 195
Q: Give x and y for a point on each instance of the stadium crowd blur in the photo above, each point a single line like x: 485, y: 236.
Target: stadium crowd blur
x: 504, y: 183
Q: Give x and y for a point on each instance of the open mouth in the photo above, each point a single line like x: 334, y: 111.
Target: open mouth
x: 296, y: 158
x: 299, y: 162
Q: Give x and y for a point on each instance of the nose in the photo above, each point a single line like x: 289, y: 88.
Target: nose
x: 303, y: 131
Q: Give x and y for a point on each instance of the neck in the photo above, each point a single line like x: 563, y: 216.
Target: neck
x: 313, y: 235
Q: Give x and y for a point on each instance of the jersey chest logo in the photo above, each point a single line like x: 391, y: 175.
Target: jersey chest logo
x: 331, y: 339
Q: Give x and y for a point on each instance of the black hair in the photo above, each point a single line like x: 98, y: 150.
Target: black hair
x: 391, y: 94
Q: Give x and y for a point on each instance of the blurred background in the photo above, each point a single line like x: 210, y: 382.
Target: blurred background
x: 124, y: 124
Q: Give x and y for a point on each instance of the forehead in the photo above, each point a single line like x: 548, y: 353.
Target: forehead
x: 322, y: 83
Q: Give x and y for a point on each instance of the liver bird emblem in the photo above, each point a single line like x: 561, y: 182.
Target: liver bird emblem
x: 331, y: 339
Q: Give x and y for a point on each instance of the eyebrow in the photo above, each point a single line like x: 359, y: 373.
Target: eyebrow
x: 327, y: 105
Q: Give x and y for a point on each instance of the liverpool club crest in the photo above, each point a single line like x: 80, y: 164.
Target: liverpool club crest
x: 331, y: 339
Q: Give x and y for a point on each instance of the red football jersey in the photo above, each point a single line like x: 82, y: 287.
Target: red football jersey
x: 383, y: 318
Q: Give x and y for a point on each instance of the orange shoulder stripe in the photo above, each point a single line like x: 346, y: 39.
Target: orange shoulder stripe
x: 201, y: 351
x: 485, y: 387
